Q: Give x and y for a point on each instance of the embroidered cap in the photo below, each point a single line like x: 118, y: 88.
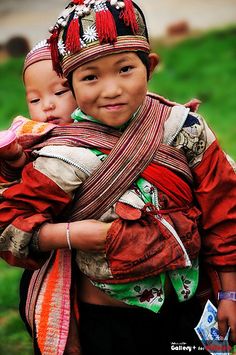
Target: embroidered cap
x: 89, y: 29
x: 41, y: 51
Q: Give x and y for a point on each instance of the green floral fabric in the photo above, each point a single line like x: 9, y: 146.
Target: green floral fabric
x: 149, y: 293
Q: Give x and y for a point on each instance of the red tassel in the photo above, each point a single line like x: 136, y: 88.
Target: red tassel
x: 106, y: 27
x: 73, y: 36
x: 129, y: 17
x: 53, y: 40
x: 78, y: 2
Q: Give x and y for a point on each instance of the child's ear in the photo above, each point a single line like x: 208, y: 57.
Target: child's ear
x: 153, y: 61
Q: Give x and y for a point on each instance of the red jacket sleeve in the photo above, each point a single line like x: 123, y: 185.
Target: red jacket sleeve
x: 215, y: 191
x: 26, y: 206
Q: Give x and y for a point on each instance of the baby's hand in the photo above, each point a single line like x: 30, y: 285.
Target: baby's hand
x: 9, y: 147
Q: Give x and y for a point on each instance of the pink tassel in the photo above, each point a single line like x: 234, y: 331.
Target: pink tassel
x: 129, y: 17
x: 73, y: 36
x: 106, y: 27
x: 54, y: 51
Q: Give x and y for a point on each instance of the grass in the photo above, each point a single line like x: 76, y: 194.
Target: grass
x: 203, y: 67
x: 12, y: 96
x: 14, y: 340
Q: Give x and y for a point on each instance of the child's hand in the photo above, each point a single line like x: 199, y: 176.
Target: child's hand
x: 89, y: 235
x: 9, y: 147
x: 227, y: 318
x: 11, y: 152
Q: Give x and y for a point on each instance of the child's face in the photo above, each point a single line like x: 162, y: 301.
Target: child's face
x: 48, y: 96
x: 110, y: 89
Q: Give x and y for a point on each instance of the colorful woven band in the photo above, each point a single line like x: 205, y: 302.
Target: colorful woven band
x: 41, y: 51
x: 89, y: 29
x: 227, y: 295
x: 123, y: 44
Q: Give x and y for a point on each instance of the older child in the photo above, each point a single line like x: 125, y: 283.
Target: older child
x: 50, y: 101
x: 104, y: 51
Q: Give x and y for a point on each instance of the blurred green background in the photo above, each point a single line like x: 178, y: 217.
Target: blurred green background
x: 203, y: 67
x: 200, y: 67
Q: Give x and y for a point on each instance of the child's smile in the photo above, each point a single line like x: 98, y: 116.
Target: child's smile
x: 111, y: 89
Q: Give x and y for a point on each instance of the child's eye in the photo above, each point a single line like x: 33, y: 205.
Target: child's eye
x: 89, y: 78
x: 61, y: 92
x: 126, y: 69
x: 34, y: 101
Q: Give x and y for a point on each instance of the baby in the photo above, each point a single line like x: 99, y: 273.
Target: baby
x: 49, y: 99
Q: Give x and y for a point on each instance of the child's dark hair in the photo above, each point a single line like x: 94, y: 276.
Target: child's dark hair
x: 142, y: 56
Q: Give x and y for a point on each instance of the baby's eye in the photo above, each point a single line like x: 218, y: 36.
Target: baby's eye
x: 89, y: 78
x: 126, y: 69
x: 34, y: 101
x: 61, y: 92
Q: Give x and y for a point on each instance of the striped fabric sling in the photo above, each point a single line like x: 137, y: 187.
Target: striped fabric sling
x: 130, y: 156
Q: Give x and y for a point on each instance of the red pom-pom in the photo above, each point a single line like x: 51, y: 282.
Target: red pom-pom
x: 129, y: 17
x: 106, y: 27
x: 73, y: 36
x: 53, y: 40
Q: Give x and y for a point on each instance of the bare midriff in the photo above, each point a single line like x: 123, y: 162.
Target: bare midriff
x: 91, y: 294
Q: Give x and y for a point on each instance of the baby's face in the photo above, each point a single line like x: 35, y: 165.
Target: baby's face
x: 48, y: 96
x: 112, y: 88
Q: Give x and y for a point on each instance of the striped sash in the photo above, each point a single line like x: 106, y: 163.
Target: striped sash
x: 130, y: 156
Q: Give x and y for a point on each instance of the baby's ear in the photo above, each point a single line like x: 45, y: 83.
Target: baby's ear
x: 153, y: 62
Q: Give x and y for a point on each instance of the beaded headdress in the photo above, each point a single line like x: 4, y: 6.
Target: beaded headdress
x: 41, y: 51
x: 89, y: 29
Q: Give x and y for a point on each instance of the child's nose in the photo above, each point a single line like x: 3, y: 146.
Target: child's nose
x: 48, y: 105
x: 111, y: 88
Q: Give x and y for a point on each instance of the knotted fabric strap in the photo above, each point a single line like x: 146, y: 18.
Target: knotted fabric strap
x: 130, y: 156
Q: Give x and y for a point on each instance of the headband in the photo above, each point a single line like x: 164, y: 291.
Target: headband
x: 41, y: 51
x: 89, y: 29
